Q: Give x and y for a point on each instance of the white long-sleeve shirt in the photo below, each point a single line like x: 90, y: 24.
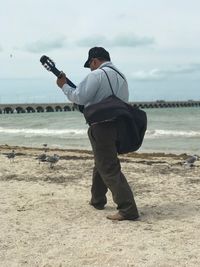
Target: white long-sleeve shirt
x: 95, y: 87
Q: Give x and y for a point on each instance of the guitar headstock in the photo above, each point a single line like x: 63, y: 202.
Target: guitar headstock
x: 50, y: 66
x: 47, y: 63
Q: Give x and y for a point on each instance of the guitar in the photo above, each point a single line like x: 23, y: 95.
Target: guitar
x: 50, y: 66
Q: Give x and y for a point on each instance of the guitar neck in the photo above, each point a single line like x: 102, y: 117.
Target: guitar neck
x: 58, y: 74
x: 70, y: 83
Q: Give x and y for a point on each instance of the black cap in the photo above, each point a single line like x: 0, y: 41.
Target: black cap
x: 97, y: 52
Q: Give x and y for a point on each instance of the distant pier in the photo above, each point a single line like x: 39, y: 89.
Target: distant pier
x: 63, y: 107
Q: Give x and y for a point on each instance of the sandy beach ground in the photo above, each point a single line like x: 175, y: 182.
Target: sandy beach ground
x: 45, y: 219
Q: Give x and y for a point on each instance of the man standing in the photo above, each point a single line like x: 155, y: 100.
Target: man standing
x: 103, y: 135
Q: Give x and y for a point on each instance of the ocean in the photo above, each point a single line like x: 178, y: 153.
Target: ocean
x: 170, y: 130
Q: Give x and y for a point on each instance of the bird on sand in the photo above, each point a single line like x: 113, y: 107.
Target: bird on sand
x: 52, y: 160
x: 11, y: 155
x: 189, y: 162
x: 41, y: 158
x: 45, y: 147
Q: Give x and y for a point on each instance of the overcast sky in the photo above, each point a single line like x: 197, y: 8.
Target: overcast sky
x: 155, y: 43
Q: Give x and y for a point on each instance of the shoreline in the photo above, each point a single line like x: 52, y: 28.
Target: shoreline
x: 89, y: 151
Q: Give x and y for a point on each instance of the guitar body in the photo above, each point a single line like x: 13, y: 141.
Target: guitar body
x: 50, y: 66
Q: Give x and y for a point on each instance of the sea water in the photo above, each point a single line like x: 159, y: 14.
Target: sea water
x: 170, y: 130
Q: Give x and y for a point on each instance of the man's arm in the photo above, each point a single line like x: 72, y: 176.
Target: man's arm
x: 83, y: 93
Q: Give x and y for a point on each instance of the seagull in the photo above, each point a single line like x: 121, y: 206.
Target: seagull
x: 11, y: 155
x: 45, y: 148
x: 41, y: 157
x: 52, y: 160
x: 189, y: 162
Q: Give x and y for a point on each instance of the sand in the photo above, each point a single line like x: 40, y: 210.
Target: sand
x: 45, y: 219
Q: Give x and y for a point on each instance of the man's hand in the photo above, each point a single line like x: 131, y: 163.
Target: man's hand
x: 62, y: 80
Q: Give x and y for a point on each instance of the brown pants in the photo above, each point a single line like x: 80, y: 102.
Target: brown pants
x: 107, y: 170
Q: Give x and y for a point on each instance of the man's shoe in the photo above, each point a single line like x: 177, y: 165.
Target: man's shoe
x: 97, y: 206
x: 119, y: 217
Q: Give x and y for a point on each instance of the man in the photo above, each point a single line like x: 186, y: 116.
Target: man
x: 103, y: 136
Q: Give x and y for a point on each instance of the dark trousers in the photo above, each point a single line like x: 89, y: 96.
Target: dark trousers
x: 107, y: 170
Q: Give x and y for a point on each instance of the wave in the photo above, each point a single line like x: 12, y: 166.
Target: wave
x: 43, y: 132
x: 150, y: 134
x: 171, y: 133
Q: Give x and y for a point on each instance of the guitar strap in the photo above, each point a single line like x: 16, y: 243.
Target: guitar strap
x: 109, y: 78
x: 115, y: 70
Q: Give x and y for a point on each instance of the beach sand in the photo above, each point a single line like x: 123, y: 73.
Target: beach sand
x: 45, y: 219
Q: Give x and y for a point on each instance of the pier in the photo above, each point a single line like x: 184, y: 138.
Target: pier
x: 63, y: 107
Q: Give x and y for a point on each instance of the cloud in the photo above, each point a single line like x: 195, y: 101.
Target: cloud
x: 158, y: 74
x: 184, y: 69
x: 122, y: 40
x: 154, y: 74
x: 92, y: 41
x: 1, y: 49
x: 132, y: 40
x: 45, y: 45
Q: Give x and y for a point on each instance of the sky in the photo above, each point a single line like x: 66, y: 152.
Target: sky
x: 156, y: 44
